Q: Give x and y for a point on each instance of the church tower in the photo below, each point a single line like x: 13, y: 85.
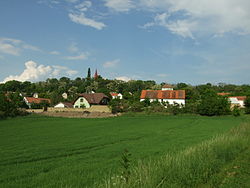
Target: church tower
x: 96, y: 75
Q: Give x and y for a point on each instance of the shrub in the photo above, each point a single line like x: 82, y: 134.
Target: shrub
x: 236, y: 111
x: 213, y: 105
x: 247, y: 105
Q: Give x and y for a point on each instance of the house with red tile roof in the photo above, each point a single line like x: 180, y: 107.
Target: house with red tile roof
x: 223, y: 94
x: 167, y: 95
x: 115, y: 95
x: 30, y: 100
x: 237, y: 101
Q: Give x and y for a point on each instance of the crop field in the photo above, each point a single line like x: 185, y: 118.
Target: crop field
x: 38, y: 151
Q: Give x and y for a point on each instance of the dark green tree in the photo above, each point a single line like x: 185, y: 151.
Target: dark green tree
x: 89, y: 74
x: 247, y: 105
x: 212, y: 104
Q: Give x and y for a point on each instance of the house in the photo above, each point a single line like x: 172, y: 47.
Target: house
x: 35, y: 95
x: 116, y: 95
x: 223, y: 94
x: 65, y: 95
x: 237, y: 101
x: 31, y: 100
x: 88, y: 99
x: 167, y: 94
x: 167, y: 87
x: 64, y: 105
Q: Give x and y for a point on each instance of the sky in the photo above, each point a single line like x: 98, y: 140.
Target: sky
x: 172, y: 41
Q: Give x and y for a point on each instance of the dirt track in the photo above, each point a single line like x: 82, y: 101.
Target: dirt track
x: 79, y: 114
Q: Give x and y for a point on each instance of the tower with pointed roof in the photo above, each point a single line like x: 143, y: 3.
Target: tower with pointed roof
x: 96, y: 75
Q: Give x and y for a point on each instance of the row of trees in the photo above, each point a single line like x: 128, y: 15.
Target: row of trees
x: 197, y: 97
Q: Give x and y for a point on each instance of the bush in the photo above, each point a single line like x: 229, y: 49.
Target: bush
x: 247, y: 105
x: 236, y: 111
x: 213, y: 105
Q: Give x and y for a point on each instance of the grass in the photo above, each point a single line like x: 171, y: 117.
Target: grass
x: 61, y: 152
x: 195, y: 166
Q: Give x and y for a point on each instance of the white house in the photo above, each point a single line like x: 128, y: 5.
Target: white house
x: 64, y: 105
x: 65, y: 95
x: 116, y: 95
x: 167, y: 94
x: 87, y: 99
x: 237, y: 101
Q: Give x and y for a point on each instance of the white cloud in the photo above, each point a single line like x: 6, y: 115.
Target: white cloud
x: 120, y: 5
x: 83, y: 20
x: 35, y: 72
x: 188, y: 17
x: 123, y: 78
x: 84, y: 6
x: 54, y: 53
x: 110, y: 64
x: 81, y: 56
x: 15, y: 46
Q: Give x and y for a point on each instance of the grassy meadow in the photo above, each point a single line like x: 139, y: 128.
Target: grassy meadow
x: 37, y: 151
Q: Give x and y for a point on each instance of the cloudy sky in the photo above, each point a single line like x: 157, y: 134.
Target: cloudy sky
x: 192, y: 41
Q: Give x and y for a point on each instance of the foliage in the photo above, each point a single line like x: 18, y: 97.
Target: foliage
x: 236, y: 111
x: 9, y: 106
x: 191, y: 167
x: 247, y: 105
x: 212, y: 104
x: 42, y: 105
x: 125, y: 165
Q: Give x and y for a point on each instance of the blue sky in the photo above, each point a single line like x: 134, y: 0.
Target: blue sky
x: 191, y: 41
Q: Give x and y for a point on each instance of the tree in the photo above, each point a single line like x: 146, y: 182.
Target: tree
x: 212, y: 104
x: 89, y: 74
x: 247, y: 105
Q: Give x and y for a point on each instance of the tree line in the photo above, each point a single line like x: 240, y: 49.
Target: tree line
x: 201, y: 99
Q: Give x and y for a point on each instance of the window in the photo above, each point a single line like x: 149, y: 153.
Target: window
x: 81, y: 100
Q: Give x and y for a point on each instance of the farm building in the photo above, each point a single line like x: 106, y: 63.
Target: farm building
x: 167, y: 94
x: 64, y: 105
x: 237, y: 101
x: 88, y: 99
x: 31, y: 100
x: 116, y: 95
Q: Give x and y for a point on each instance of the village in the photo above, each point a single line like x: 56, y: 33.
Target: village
x: 73, y: 97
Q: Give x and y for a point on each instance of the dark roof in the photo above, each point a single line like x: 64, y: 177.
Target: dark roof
x: 68, y: 104
x: 167, y: 86
x: 93, y: 98
x: 163, y: 94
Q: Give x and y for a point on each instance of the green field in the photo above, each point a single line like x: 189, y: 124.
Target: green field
x: 38, y: 151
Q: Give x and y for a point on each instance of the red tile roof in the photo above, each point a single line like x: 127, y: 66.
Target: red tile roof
x: 163, y: 94
x: 240, y: 98
x: 223, y: 94
x: 113, y: 94
x: 37, y: 100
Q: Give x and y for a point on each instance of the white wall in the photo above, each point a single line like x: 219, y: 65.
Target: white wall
x: 60, y: 105
x: 78, y: 103
x: 170, y: 101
